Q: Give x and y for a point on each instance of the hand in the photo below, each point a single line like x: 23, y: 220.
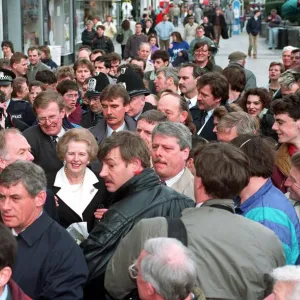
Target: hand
x: 100, y: 212
x: 170, y: 46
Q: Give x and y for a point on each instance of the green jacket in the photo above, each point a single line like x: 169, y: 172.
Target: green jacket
x: 290, y: 9
x: 197, y: 40
x: 234, y: 255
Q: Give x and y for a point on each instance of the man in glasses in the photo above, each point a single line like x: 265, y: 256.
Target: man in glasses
x: 202, y: 54
x: 50, y: 111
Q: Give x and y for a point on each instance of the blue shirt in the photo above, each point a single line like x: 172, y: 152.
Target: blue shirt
x: 164, y: 30
x: 271, y: 208
x: 5, y: 293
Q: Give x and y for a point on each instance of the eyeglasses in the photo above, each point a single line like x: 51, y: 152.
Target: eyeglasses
x: 133, y: 271
x: 201, y: 51
x: 44, y: 120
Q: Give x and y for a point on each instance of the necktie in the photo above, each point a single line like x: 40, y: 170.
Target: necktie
x: 202, y: 118
x: 54, y: 139
x: 188, y: 102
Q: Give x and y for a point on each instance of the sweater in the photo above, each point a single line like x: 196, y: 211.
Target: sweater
x: 177, y: 47
x: 164, y: 30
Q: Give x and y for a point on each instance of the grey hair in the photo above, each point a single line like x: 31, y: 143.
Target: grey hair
x: 290, y: 274
x: 89, y: 22
x: 170, y: 268
x: 288, y: 78
x: 29, y: 174
x: 144, y: 44
x: 177, y: 130
x: 3, y: 135
x: 244, y: 123
x: 169, y: 72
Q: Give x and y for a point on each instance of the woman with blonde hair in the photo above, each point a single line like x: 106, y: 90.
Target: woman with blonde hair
x: 79, y: 191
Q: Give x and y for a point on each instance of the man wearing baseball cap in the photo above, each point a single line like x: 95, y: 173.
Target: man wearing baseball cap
x: 17, y: 109
x: 238, y: 59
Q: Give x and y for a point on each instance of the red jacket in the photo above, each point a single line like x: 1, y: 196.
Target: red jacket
x: 16, y: 292
x: 159, y: 18
x: 75, y: 116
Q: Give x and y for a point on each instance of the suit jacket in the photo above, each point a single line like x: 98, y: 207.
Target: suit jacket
x: 151, y: 31
x: 207, y: 131
x: 94, y: 194
x: 44, y: 149
x: 21, y: 110
x: 185, y: 184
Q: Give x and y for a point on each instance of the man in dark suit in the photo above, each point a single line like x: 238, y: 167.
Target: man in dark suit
x: 219, y: 24
x: 49, y: 107
x: 136, y: 89
x: 115, y: 104
x: 59, y: 270
x: 17, y: 109
x: 213, y: 91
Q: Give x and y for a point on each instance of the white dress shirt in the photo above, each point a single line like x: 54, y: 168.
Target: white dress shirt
x: 209, y: 114
x: 193, y: 101
x: 109, y: 130
x: 174, y: 179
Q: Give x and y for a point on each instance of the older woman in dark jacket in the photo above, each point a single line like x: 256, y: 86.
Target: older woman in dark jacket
x: 88, y: 34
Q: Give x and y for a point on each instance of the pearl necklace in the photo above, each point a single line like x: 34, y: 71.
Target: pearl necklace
x: 80, y: 184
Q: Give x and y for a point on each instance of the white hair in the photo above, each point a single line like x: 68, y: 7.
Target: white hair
x: 288, y: 48
x: 289, y: 274
x: 144, y: 45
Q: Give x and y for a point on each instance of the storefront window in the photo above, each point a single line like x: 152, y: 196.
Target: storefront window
x: 87, y: 10
x: 31, y: 23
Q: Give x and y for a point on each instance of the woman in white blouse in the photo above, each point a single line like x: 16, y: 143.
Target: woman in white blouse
x: 79, y: 191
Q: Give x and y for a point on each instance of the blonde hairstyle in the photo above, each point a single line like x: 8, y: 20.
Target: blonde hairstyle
x: 77, y: 135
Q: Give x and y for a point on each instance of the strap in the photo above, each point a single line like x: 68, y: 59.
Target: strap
x: 220, y: 206
x: 177, y: 230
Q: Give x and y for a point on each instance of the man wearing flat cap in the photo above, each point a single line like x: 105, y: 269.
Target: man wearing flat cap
x: 93, y: 114
x: 137, y: 92
x: 238, y: 59
x: 190, y: 29
x: 17, y: 109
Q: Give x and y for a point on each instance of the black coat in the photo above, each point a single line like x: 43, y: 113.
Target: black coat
x: 89, y: 119
x: 209, y: 30
x: 207, y: 131
x: 43, y: 148
x: 87, y: 37
x: 49, y: 264
x: 50, y: 63
x: 143, y: 196
x: 21, y: 110
x: 222, y: 20
x: 103, y: 43
x: 68, y: 216
x: 253, y: 26
x: 151, y: 31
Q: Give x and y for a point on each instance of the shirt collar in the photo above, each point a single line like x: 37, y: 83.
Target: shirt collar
x: 33, y: 232
x: 192, y: 100
x: 4, y: 295
x: 109, y: 130
x: 61, y: 133
x: 174, y: 179
x: 7, y: 103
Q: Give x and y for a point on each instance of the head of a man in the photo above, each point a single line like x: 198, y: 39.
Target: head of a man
x: 202, y: 53
x: 136, y: 105
x: 10, y: 152
x: 213, y: 90
x: 48, y: 78
x: 237, y: 57
x: 49, y: 108
x: 165, y: 17
x: 260, y: 152
x: 84, y: 52
x: 146, y: 123
x: 114, y: 100
x: 102, y: 64
x: 83, y: 69
x: 173, y: 106
x: 200, y: 32
x: 221, y: 172
x: 165, y: 269
x: 289, y: 82
x: 205, y: 21
x: 123, y: 156
x: 188, y: 75
x: 6, y: 79
x: 236, y: 78
x: 293, y: 180
x: 167, y: 78
x: 69, y: 91
x: 286, y: 56
x: 34, y: 55
x: 295, y: 58
x: 95, y: 53
x: 22, y: 194
x: 235, y: 124
x: 286, y: 285
x: 19, y: 88
x: 64, y: 72
x: 138, y: 28
x: 100, y: 30
x: 115, y: 61
x: 8, y: 250
x: 275, y: 70
x: 287, y: 119
x: 144, y: 51
x: 171, y: 144
x: 19, y: 63
x: 138, y: 61
x: 160, y: 59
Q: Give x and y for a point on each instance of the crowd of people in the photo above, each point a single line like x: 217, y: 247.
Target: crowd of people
x: 163, y: 176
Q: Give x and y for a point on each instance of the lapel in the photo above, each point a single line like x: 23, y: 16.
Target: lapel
x: 62, y: 189
x: 184, y: 185
x: 99, y: 131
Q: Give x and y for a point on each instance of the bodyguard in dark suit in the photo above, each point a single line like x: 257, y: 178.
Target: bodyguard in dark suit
x: 52, y: 124
x: 213, y: 91
x: 16, y: 109
x: 49, y: 264
x: 137, y: 92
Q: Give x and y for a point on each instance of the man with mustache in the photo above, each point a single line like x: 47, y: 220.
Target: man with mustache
x: 170, y: 152
x: 115, y: 104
